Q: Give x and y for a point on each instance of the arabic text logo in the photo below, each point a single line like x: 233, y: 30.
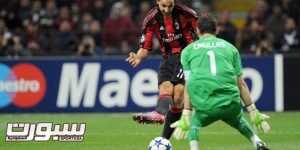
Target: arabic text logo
x: 44, y: 131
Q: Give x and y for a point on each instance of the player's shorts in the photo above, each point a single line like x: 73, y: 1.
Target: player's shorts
x: 171, y: 70
x: 204, y: 118
x: 231, y: 114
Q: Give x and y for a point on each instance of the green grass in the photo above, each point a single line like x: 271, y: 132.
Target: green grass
x: 119, y: 132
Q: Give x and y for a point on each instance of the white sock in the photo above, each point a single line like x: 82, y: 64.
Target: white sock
x: 194, y: 145
x: 255, y: 139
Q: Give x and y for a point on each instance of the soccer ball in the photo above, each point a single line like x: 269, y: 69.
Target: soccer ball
x: 160, y: 143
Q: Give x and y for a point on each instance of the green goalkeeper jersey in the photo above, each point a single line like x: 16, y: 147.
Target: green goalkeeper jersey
x: 214, y: 65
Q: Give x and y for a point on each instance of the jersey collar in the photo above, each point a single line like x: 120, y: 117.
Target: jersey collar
x: 206, y: 35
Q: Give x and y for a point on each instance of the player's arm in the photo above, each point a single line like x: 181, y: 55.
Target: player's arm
x: 182, y: 126
x: 195, y: 26
x: 185, y: 62
x: 244, y: 91
x: 186, y: 100
x: 257, y: 118
x: 135, y: 59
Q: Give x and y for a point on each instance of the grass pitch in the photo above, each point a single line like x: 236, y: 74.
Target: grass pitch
x: 119, y: 132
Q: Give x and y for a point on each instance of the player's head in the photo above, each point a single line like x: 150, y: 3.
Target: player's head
x: 166, y: 6
x: 207, y: 24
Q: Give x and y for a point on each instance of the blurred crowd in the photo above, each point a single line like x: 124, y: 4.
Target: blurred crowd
x: 112, y: 27
x: 270, y: 27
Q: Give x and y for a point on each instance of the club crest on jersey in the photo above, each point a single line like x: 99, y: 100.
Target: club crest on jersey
x: 142, y: 38
x: 161, y: 28
x: 176, y: 25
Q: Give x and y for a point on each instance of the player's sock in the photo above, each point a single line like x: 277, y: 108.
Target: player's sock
x: 245, y: 128
x: 173, y: 115
x: 163, y: 104
x: 242, y: 125
x: 255, y: 139
x: 194, y: 145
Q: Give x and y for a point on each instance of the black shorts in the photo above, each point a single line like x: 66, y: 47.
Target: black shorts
x: 171, y: 70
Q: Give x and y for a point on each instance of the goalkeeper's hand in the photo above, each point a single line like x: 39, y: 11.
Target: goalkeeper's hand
x: 182, y: 126
x: 258, y: 119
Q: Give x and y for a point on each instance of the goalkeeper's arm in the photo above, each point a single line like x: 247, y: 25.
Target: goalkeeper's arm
x: 186, y: 100
x: 244, y: 90
x: 182, y: 126
x: 257, y: 118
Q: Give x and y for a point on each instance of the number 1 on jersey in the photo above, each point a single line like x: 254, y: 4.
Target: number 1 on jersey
x: 212, y: 61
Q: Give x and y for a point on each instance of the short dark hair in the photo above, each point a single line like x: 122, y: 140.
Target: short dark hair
x: 207, y: 24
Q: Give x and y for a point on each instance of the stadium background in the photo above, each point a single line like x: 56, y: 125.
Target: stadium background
x: 63, y: 57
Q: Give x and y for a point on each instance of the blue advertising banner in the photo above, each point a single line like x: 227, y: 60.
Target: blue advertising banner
x: 259, y: 75
x: 102, y: 85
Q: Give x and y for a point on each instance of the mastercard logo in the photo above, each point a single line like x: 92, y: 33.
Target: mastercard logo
x: 23, y: 85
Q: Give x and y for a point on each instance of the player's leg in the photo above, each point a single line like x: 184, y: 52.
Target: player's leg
x: 166, y: 89
x: 177, y: 79
x: 234, y: 116
x: 174, y: 112
x: 163, y: 103
x: 199, y: 119
x: 164, y: 99
x: 246, y: 129
x: 193, y: 134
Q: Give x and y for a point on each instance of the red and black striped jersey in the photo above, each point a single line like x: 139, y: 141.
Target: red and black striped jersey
x: 173, y: 32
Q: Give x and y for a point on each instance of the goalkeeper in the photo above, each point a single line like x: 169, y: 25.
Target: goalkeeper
x: 215, y: 86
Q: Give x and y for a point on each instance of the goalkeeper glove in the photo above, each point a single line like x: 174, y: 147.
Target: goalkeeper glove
x: 182, y: 126
x: 258, y: 119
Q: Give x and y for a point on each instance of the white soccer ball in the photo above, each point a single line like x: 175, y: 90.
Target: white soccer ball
x: 160, y: 143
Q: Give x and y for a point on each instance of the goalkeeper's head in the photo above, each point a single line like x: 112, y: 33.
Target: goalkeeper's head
x: 207, y: 24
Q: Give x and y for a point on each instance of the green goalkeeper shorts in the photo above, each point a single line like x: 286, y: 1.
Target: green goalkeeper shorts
x: 231, y: 114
